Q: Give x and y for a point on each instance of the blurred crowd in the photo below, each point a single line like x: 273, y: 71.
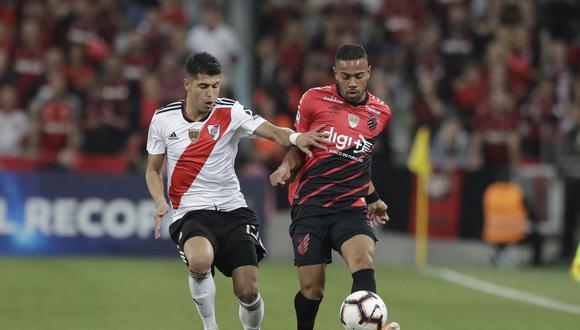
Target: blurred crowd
x: 496, y: 81
x: 81, y: 79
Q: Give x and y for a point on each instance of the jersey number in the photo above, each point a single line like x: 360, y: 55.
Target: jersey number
x: 253, y: 231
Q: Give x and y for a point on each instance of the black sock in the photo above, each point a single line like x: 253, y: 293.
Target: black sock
x: 306, y: 311
x: 364, y: 279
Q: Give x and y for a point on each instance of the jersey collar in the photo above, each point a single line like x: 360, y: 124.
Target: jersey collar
x: 186, y: 116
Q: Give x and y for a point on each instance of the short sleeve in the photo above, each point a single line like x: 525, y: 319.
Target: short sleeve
x: 304, y: 113
x: 245, y: 119
x: 155, y: 142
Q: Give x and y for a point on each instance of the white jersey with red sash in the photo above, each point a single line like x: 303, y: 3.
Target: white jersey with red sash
x: 201, y: 154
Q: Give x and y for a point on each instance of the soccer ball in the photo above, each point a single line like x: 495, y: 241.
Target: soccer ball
x: 363, y: 310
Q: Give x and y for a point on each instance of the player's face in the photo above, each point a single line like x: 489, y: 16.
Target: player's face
x: 352, y: 77
x: 202, y: 91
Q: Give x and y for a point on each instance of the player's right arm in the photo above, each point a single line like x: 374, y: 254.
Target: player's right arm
x: 294, y: 159
x: 156, y: 147
x: 292, y: 162
x: 154, y: 181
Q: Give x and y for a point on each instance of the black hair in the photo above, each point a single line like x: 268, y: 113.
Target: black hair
x: 203, y: 63
x: 349, y: 52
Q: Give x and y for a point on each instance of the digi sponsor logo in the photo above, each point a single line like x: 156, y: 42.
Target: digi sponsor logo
x: 343, y: 141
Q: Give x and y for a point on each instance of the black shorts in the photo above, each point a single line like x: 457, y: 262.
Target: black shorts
x: 233, y: 235
x: 315, y: 231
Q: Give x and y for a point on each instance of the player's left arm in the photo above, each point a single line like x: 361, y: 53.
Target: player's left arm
x: 287, y: 137
x: 376, y: 207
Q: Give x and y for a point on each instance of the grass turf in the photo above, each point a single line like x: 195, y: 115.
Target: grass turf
x: 127, y: 293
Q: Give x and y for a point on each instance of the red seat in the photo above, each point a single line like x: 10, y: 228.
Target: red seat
x: 19, y: 164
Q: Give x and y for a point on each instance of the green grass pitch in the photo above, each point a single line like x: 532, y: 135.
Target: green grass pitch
x: 128, y: 293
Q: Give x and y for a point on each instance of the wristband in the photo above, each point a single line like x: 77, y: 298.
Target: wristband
x: 372, y: 197
x: 293, y: 137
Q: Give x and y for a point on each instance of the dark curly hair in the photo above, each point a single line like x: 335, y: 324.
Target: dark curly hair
x: 203, y: 63
x: 349, y: 52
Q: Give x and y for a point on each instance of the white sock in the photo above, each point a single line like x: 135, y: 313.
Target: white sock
x: 202, y: 288
x: 252, y: 314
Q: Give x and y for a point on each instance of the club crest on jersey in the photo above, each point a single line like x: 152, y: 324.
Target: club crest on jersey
x: 372, y: 122
x: 214, y: 131
x: 353, y: 120
x: 193, y: 135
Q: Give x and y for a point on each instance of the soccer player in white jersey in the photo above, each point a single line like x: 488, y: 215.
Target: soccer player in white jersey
x: 212, y: 224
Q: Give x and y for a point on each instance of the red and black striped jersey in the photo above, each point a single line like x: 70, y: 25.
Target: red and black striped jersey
x: 339, y: 175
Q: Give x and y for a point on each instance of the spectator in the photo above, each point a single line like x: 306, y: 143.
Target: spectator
x: 6, y: 32
x: 171, y: 76
x: 469, y: 90
x: 14, y: 123
x: 458, y: 41
x: 154, y: 33
x: 538, y: 119
x: 6, y: 76
x: 78, y: 71
x: 105, y: 125
x: 267, y: 61
x: 171, y: 12
x: 217, y: 38
x: 429, y: 108
x: 28, y: 63
x: 81, y: 27
x: 151, y: 100
x: 115, y: 89
x: 55, y: 116
x: 136, y: 60
x: 495, y: 142
x: 7, y: 15
x: 54, y: 62
x: 450, y: 147
x: 403, y: 18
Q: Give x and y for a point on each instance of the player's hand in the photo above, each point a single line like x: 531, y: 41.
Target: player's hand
x: 312, y: 138
x: 160, y: 211
x: 377, y: 213
x: 280, y: 176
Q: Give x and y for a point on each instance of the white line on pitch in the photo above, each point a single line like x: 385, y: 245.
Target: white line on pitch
x: 502, y: 291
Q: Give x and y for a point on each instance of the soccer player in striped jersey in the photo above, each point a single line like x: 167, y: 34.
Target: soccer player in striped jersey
x: 212, y: 225
x: 332, y: 195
